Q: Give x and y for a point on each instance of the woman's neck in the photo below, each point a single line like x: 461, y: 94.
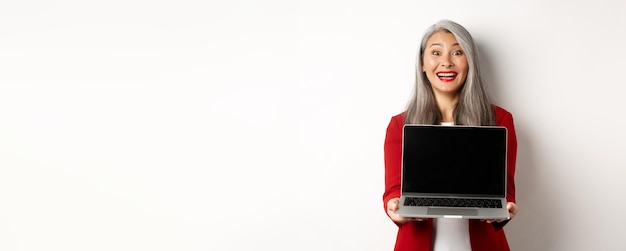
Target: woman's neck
x: 446, y: 105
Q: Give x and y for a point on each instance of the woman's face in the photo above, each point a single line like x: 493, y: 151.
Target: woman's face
x: 445, y: 64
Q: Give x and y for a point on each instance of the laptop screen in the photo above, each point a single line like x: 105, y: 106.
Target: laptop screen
x: 454, y: 160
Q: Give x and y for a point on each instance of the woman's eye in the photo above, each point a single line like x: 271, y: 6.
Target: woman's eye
x: 457, y: 53
x: 436, y: 53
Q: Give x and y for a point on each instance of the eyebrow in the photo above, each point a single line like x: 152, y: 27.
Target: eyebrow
x: 441, y: 44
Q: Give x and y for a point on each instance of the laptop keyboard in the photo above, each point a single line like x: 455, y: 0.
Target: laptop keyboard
x: 453, y: 202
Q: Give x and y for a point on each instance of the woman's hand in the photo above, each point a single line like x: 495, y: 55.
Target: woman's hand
x: 392, y: 206
x: 512, y: 212
x: 512, y: 209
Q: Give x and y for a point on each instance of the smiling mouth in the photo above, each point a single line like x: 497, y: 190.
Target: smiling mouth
x: 446, y: 76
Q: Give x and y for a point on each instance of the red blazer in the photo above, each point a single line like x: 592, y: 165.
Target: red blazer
x: 418, y: 235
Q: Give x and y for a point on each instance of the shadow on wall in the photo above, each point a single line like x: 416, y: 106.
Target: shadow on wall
x: 537, y: 225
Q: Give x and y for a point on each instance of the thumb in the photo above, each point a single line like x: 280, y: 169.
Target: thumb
x: 393, y: 204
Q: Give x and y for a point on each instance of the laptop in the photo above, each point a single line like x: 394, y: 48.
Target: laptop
x: 453, y: 172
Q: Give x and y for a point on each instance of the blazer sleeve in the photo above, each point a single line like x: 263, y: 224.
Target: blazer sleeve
x: 393, y: 159
x: 505, y: 118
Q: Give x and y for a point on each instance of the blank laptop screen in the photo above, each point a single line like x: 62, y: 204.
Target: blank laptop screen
x: 454, y: 160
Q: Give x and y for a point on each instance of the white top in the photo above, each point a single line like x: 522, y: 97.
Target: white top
x: 451, y: 234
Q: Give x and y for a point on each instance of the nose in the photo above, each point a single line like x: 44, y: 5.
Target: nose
x: 446, y: 61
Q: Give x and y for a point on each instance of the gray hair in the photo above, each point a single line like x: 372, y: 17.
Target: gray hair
x: 474, y: 107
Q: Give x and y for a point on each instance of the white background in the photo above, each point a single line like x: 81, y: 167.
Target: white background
x: 259, y: 125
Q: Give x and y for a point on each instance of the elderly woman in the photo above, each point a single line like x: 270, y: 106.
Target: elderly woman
x: 448, y: 90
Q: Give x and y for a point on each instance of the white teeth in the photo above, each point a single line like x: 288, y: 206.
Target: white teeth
x: 446, y: 74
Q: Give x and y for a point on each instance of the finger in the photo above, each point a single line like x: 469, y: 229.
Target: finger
x: 395, y: 205
x: 392, y: 206
x: 402, y: 220
x: 513, y: 209
x: 399, y: 219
